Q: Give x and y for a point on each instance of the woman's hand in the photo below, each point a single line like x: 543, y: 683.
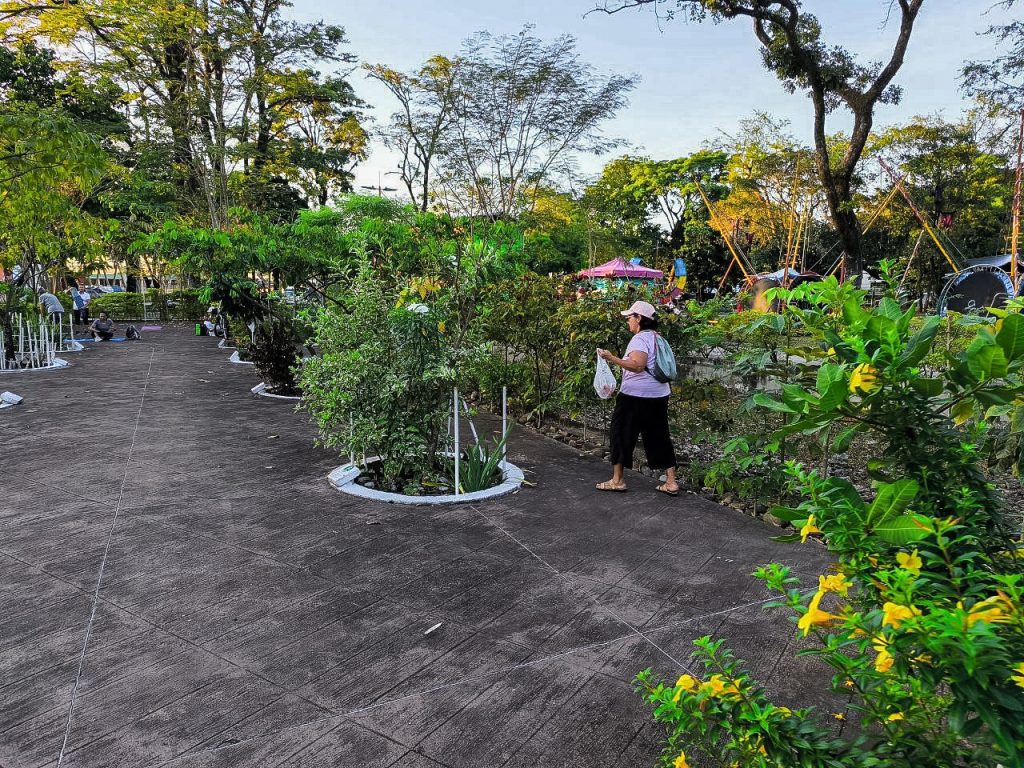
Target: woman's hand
x: 604, y: 354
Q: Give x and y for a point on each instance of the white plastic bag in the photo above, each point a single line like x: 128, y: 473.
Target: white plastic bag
x: 604, y: 380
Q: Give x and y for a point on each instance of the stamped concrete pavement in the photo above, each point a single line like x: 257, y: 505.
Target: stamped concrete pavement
x: 180, y: 587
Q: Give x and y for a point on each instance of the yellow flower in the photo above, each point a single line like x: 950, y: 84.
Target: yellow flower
x: 1019, y: 677
x: 894, y: 717
x: 864, y: 379
x: 894, y: 615
x: 681, y: 761
x: 994, y: 610
x: 440, y: 327
x: 684, y: 683
x: 808, y: 529
x: 884, y: 660
x: 719, y: 686
x: 839, y: 715
x: 815, y: 615
x: 911, y: 562
x: 836, y: 583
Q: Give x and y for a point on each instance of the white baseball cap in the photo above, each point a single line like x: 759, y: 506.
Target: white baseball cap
x: 641, y: 308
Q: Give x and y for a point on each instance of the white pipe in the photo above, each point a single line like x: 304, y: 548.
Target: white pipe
x: 455, y: 405
x: 504, y: 422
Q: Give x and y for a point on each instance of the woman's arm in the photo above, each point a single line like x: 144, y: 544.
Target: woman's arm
x: 635, y: 361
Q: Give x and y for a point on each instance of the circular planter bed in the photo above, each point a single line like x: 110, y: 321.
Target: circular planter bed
x: 55, y: 365
x: 238, y: 360
x: 344, y: 479
x: 261, y: 390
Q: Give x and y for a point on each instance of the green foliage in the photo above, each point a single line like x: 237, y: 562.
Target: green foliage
x: 276, y: 344
x: 922, y: 618
x: 119, y: 305
x: 479, y: 466
x: 382, y: 381
x: 183, y: 304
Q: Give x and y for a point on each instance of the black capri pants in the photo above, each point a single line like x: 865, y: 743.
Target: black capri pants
x: 645, y: 417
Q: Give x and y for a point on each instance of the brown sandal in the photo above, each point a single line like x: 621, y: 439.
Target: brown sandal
x: 663, y: 488
x: 607, y: 485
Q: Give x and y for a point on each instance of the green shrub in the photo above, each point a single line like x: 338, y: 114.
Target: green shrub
x: 382, y: 381
x: 275, y: 350
x: 184, y: 304
x: 119, y: 305
x: 921, y: 617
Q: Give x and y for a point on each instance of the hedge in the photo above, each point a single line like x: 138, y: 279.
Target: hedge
x: 175, y: 305
x: 119, y: 306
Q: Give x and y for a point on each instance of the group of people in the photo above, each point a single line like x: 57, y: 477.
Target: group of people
x: 101, y: 329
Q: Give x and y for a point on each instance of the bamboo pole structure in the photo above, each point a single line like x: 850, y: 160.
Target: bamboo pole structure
x: 1015, y: 232
x: 920, y: 217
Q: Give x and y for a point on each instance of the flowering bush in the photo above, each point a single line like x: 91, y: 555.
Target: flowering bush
x: 921, y: 616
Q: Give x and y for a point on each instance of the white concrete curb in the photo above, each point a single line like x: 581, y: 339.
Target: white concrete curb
x: 343, y: 479
x: 57, y: 363
x: 260, y: 390
x: 239, y: 361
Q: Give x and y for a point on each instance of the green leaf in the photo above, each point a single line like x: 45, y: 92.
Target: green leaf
x: 892, y: 499
x: 986, y: 360
x: 842, y: 441
x: 890, y: 309
x: 831, y: 386
x: 877, y: 470
x: 1011, y: 336
x: 788, y: 538
x: 921, y: 344
x: 962, y: 412
x: 788, y: 514
x: 900, y: 530
x: 766, y: 401
x: 840, y: 489
x: 927, y: 387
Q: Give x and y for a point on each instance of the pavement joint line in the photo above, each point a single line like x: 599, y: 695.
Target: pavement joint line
x: 587, y: 592
x: 348, y: 714
x: 103, y: 564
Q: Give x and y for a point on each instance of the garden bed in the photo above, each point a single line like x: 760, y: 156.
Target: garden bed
x: 347, y: 479
x: 57, y: 364
x: 262, y: 390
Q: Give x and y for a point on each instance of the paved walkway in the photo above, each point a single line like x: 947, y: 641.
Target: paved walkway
x: 179, y: 586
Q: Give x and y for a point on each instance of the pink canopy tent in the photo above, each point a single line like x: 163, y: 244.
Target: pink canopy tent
x: 622, y: 269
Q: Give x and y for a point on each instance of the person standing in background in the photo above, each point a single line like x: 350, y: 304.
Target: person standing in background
x: 50, y: 306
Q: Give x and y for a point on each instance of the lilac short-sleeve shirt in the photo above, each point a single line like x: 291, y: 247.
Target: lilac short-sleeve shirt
x: 643, y: 384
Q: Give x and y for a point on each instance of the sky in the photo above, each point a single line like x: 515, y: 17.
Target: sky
x: 697, y: 80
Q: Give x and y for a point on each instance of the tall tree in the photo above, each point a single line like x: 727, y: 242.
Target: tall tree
x: 482, y: 131
x: 793, y: 49
x: 526, y: 109
x: 203, y: 76
x: 1000, y: 80
x: 427, y: 100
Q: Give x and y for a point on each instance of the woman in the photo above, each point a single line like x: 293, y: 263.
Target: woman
x: 641, y: 407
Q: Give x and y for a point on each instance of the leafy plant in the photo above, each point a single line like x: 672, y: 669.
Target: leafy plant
x: 921, y: 617
x: 479, y: 466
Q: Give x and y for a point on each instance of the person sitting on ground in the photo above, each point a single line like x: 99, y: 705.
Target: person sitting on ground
x: 102, y: 328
